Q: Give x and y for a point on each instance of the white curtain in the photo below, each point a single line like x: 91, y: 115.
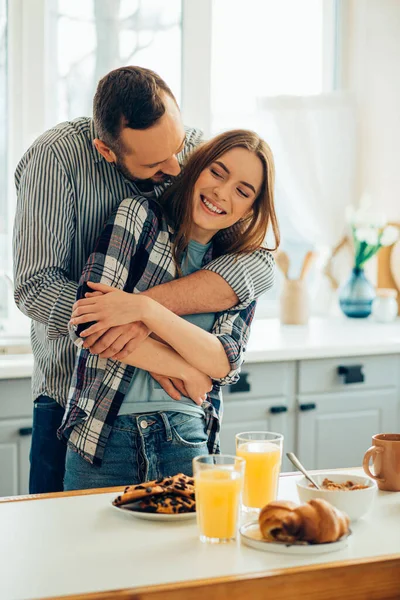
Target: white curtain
x: 313, y: 139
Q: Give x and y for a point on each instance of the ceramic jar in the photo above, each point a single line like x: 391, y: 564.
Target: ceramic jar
x: 294, y: 305
x: 384, y: 306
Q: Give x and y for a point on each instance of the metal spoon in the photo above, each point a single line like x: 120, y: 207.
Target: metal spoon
x: 295, y: 461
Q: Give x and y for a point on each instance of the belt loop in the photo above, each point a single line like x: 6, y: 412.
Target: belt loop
x: 168, y: 431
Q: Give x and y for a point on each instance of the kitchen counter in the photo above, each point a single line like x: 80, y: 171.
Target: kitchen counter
x: 270, y: 341
x: 321, y: 338
x: 79, y: 544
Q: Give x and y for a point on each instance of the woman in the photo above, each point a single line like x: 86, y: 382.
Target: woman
x: 117, y: 418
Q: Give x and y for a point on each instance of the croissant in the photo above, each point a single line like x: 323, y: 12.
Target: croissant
x: 317, y: 522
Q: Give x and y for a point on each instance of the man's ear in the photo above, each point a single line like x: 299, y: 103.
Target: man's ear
x: 105, y: 151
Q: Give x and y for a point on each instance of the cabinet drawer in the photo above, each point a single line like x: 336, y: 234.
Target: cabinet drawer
x: 262, y: 381
x: 324, y: 375
x: 15, y: 398
x: 237, y: 412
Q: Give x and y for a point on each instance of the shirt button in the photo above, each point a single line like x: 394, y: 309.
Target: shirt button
x: 144, y: 424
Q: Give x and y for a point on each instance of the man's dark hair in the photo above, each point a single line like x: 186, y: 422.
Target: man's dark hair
x: 128, y: 97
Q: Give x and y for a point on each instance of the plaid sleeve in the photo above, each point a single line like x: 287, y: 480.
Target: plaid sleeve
x: 232, y: 328
x: 248, y: 274
x: 110, y: 262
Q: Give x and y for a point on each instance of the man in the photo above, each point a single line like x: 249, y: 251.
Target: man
x: 68, y: 183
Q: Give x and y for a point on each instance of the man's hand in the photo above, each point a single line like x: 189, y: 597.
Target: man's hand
x: 174, y: 387
x: 117, y: 342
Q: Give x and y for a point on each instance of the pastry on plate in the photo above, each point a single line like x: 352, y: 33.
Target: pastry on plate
x: 315, y: 522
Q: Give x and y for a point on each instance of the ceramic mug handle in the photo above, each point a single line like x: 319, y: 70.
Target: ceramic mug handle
x: 369, y: 454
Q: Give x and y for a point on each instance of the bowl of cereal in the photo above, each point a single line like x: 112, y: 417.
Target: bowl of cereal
x: 353, y: 494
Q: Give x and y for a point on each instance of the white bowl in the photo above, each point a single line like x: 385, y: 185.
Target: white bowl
x: 355, y: 503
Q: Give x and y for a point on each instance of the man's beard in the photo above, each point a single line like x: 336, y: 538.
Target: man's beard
x: 162, y: 178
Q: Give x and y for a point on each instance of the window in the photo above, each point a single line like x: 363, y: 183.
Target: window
x: 218, y: 56
x: 263, y: 49
x: 108, y: 34
x: 4, y: 251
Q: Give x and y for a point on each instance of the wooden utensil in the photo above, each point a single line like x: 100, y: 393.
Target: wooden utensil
x: 282, y: 260
x: 308, y: 260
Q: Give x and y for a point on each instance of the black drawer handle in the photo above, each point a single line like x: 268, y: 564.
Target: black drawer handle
x: 351, y: 373
x: 309, y: 406
x: 25, y: 431
x: 242, y: 385
x: 277, y: 409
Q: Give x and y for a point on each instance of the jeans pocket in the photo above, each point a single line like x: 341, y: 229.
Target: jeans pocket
x: 191, y: 433
x: 46, y: 403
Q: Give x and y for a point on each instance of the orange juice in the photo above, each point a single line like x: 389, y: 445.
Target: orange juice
x: 218, y: 495
x: 263, y: 461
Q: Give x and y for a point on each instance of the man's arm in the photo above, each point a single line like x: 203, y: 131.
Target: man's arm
x: 203, y: 291
x: 44, y: 231
x: 226, y: 282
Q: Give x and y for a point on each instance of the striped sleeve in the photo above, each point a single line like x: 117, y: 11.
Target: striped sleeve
x: 249, y: 275
x: 44, y: 232
x: 232, y: 328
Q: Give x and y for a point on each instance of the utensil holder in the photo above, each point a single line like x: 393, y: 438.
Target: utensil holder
x: 294, y: 303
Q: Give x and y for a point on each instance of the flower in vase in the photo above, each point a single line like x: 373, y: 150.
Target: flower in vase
x: 370, y: 232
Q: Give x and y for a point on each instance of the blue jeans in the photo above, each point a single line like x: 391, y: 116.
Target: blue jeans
x: 141, y: 448
x: 47, y: 455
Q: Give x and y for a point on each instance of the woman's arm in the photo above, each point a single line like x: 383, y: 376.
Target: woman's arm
x: 199, y: 348
x: 163, y: 360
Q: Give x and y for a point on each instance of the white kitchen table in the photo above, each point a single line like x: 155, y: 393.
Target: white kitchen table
x: 66, y: 545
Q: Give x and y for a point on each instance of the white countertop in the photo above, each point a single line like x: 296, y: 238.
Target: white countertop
x: 82, y: 544
x: 271, y: 341
x: 321, y: 338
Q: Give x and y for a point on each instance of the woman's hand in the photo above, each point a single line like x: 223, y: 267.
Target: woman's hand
x: 197, y: 385
x: 113, y: 307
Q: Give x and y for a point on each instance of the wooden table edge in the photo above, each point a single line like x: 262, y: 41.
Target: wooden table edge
x: 374, y: 578
x: 25, y: 497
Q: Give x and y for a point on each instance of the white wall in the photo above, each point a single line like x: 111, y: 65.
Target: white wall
x: 371, y: 69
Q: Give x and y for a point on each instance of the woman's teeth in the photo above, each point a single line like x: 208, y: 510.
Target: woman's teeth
x: 211, y: 206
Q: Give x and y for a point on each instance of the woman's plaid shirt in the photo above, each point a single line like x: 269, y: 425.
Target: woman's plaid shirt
x: 134, y: 253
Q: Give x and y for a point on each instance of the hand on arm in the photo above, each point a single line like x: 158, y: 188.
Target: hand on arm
x: 201, y: 349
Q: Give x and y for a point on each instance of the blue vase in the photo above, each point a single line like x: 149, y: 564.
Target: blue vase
x: 356, y: 295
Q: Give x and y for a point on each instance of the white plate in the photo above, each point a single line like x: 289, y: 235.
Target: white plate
x: 250, y: 535
x: 156, y: 516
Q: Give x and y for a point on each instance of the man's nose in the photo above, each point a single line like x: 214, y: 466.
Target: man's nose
x: 171, y: 166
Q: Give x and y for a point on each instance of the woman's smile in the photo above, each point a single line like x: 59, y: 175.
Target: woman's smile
x: 211, y: 207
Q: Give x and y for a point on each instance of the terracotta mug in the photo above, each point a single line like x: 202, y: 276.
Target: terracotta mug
x: 385, y: 455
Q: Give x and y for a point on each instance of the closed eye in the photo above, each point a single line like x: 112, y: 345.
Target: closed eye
x: 242, y: 193
x: 216, y: 173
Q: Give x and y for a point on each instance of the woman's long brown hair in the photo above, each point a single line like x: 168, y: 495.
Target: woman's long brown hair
x: 249, y: 233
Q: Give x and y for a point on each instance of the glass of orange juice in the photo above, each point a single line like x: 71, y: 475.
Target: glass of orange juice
x: 219, y: 484
x: 262, y: 451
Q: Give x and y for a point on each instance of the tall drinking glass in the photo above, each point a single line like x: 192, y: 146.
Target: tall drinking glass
x: 219, y: 485
x: 262, y: 451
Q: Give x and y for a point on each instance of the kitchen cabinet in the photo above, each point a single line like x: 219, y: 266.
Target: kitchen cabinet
x: 15, y: 435
x: 262, y: 400
x: 341, y: 404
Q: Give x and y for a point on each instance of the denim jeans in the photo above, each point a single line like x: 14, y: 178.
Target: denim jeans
x: 47, y: 455
x: 141, y: 448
